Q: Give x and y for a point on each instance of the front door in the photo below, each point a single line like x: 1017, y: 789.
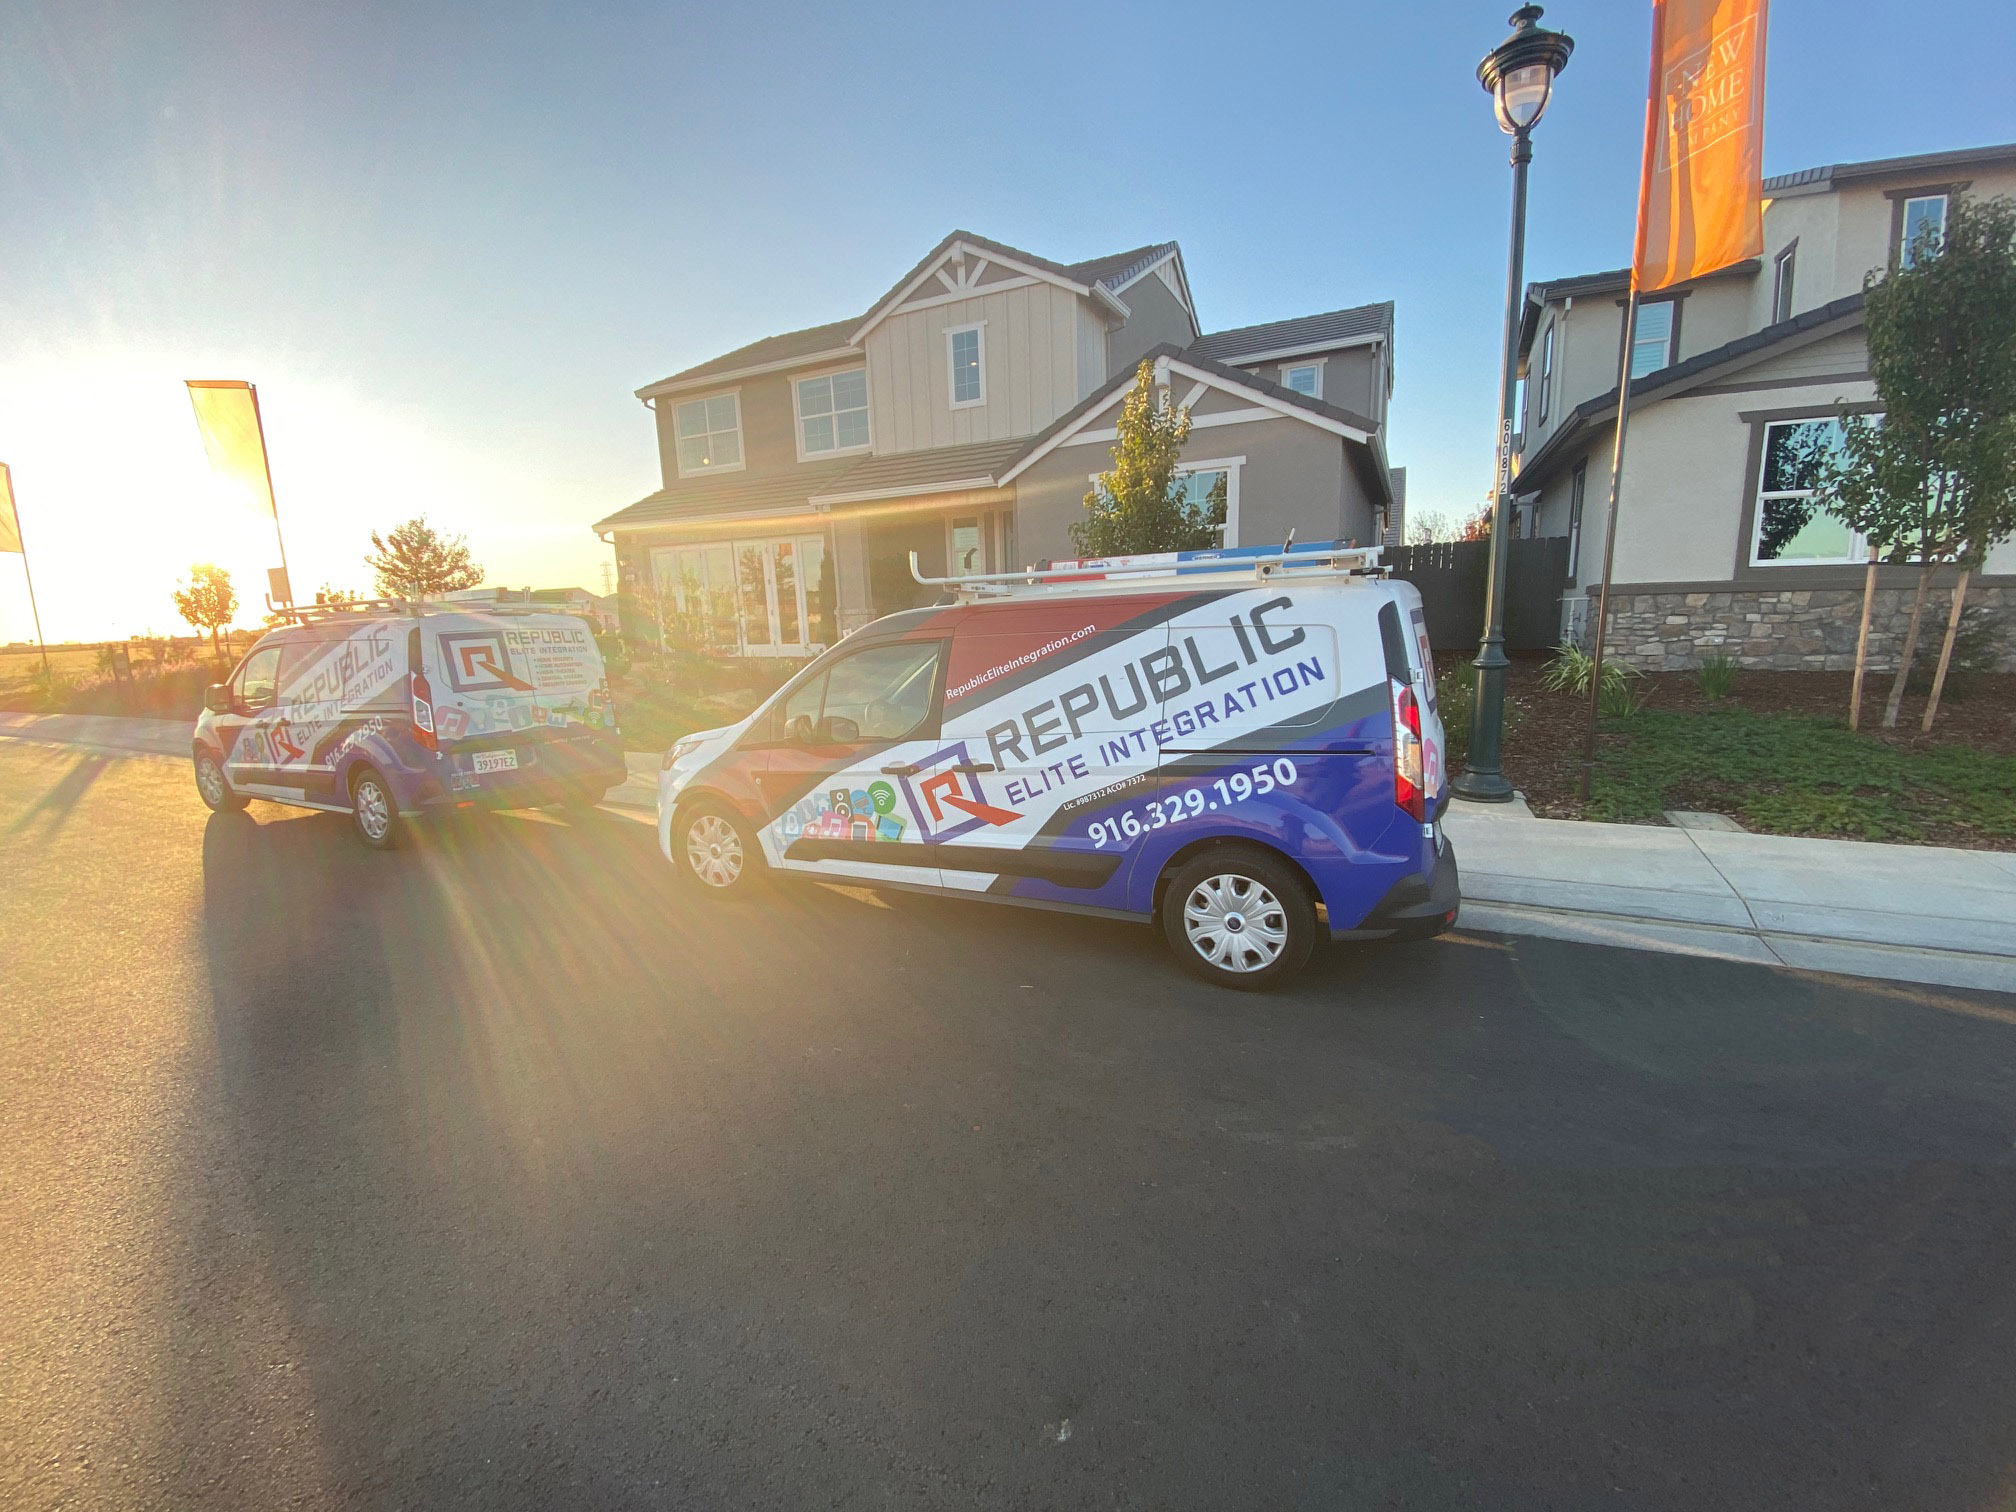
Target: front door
x: 844, y: 754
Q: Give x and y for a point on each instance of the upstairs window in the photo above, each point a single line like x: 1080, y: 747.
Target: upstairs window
x: 1546, y: 372
x: 1924, y: 216
x: 965, y: 348
x: 1304, y: 378
x: 1781, y: 284
x: 709, y: 434
x: 1652, y: 346
x: 833, y: 412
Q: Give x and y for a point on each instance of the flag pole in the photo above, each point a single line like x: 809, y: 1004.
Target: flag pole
x: 1630, y: 338
x: 14, y: 504
x: 1610, y: 530
x: 266, y: 459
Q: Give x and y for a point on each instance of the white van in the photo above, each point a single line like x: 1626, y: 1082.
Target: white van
x: 1240, y: 744
x: 387, y: 710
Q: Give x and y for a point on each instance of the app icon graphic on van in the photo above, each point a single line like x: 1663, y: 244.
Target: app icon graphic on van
x: 946, y: 798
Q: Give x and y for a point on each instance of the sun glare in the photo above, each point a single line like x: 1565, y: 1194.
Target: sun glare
x: 117, y: 498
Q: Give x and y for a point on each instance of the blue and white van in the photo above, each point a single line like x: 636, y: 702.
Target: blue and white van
x: 1241, y: 745
x: 388, y: 711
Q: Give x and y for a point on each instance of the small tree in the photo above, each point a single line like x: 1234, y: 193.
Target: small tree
x: 415, y: 561
x: 1934, y: 480
x: 1430, y: 526
x: 1139, y: 506
x: 207, y: 601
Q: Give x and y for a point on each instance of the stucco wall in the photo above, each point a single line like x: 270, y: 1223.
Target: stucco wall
x: 1293, y: 475
x: 1352, y: 377
x: 1157, y: 316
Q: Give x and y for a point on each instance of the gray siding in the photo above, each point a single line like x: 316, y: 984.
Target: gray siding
x: 1157, y: 316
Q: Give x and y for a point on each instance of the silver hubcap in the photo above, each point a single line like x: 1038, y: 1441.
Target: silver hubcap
x: 374, y: 814
x: 210, y: 781
x: 1236, y: 923
x: 715, y: 850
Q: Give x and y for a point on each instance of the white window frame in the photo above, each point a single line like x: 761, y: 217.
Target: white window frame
x: 981, y: 521
x: 798, y: 419
x: 1858, y: 545
x: 741, y: 440
x: 1672, y: 336
x: 1784, y: 277
x: 1545, y: 397
x: 1904, y: 222
x: 1315, y: 365
x: 664, y: 576
x: 979, y: 328
x: 1227, y: 465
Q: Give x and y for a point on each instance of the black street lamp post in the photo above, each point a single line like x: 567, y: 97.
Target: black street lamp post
x: 1519, y: 73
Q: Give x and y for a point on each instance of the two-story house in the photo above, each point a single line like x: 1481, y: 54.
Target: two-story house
x: 1719, y: 549
x: 963, y: 416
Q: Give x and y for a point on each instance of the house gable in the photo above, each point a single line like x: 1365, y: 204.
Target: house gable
x: 953, y: 269
x: 1214, y: 394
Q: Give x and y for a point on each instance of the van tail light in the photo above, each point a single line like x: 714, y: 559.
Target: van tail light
x: 423, y: 713
x: 1410, y: 790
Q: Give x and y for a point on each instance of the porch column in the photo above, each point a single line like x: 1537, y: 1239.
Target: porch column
x: 854, y: 607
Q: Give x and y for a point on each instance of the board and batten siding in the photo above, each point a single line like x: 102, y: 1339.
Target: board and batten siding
x: 1031, y: 358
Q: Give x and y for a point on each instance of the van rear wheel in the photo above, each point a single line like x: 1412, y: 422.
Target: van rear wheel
x: 1239, y: 917
x: 373, y: 811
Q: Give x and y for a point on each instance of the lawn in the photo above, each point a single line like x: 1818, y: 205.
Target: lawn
x: 1776, y: 755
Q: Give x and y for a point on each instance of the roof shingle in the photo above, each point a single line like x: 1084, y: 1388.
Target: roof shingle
x: 1339, y: 326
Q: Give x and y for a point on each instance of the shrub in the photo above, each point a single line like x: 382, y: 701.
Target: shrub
x: 1571, y: 669
x: 1717, y: 675
x: 1974, y: 651
x: 1455, y: 696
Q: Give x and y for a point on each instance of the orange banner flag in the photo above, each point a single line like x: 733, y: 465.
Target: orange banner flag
x: 227, y: 413
x: 1700, y: 192
x: 10, y: 519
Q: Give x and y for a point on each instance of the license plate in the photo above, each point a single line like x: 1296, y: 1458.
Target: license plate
x: 495, y: 761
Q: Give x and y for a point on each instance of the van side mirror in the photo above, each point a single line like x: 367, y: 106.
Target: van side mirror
x: 217, y: 698
x: 837, y: 729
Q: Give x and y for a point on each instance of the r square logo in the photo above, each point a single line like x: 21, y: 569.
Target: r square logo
x: 479, y: 661
x: 949, y: 802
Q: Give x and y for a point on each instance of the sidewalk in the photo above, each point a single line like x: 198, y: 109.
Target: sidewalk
x: 1910, y: 913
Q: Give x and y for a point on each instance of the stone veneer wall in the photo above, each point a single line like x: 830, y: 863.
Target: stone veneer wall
x: 1797, y: 629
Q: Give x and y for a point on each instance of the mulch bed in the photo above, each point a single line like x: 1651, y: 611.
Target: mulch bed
x: 1543, y: 741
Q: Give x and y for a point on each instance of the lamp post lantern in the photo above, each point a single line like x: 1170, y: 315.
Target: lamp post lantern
x: 1519, y: 74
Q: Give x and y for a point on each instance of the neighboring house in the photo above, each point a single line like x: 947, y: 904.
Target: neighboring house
x: 1717, y: 548
x: 598, y: 609
x: 963, y: 417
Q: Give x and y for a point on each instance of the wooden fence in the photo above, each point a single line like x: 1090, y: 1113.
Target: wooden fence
x: 1451, y: 576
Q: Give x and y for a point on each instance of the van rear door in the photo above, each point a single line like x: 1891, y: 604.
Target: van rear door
x: 504, y: 686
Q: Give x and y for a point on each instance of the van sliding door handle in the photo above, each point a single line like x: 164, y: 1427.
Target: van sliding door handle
x: 904, y: 769
x: 972, y: 768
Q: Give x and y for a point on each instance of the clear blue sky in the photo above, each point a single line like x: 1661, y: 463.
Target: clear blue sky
x: 449, y: 240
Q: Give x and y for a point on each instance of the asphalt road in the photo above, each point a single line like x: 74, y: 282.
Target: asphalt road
x: 498, y: 1172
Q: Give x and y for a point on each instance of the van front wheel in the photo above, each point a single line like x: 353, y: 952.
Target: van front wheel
x: 1239, y: 917
x: 715, y: 849
x: 213, y: 787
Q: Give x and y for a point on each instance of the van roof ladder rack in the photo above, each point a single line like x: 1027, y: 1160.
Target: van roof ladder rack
x: 302, y: 614
x: 1252, y: 563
